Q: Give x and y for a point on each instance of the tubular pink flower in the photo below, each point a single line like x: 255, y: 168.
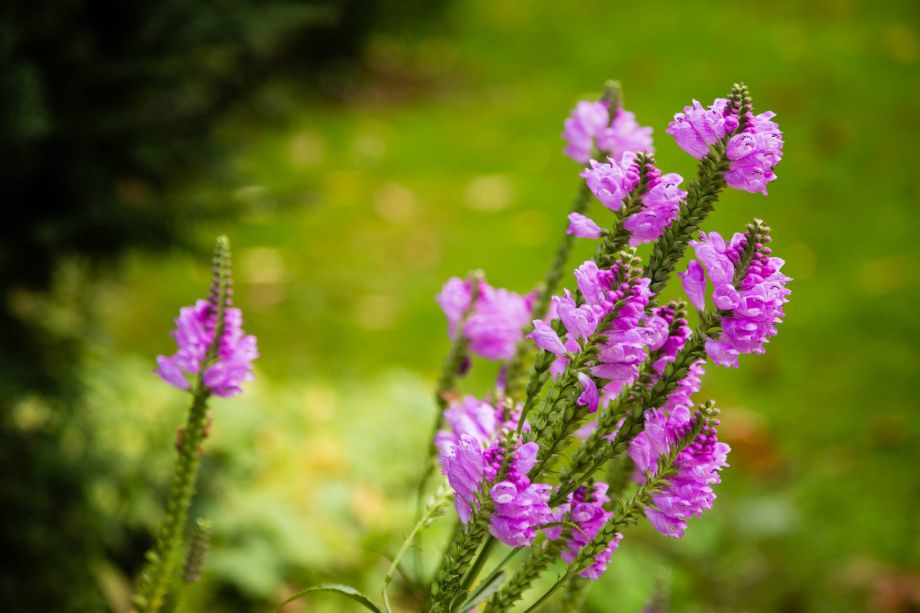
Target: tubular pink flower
x: 585, y: 508
x: 689, y: 492
x: 194, y: 335
x: 583, y: 227
x: 754, y: 153
x: 697, y: 127
x: 589, y: 125
x: 497, y: 321
x: 613, y: 181
x: 588, y: 397
x: 694, y: 284
x: 624, y: 134
x: 546, y: 338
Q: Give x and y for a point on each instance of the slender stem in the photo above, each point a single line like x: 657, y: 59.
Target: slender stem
x: 524, y: 576
x: 479, y: 562
x: 164, y: 560
x: 434, y: 509
x: 447, y: 584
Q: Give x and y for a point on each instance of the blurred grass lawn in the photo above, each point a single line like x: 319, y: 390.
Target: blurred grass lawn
x: 389, y: 194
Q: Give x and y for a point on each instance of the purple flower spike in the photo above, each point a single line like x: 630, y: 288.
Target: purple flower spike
x: 585, y: 508
x: 612, y: 182
x: 583, y: 227
x: 589, y: 125
x: 497, y: 321
x: 689, y: 492
x: 754, y: 306
x: 194, y: 334
x: 754, y: 154
x: 588, y: 397
x: 520, y: 505
x: 697, y: 127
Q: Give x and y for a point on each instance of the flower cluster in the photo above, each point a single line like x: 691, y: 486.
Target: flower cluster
x: 752, y: 308
x: 689, y: 492
x: 612, y: 182
x: 471, y: 456
x: 194, y: 335
x: 697, y: 127
x: 496, y: 322
x: 520, y: 505
x: 754, y: 153
x: 617, y: 370
x: 585, y: 508
x: 628, y: 333
x: 590, y: 125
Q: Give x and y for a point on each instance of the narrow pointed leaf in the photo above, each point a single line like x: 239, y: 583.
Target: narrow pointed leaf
x: 344, y: 590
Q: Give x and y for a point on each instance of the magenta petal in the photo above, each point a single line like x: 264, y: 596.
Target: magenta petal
x: 589, y: 396
x: 694, y: 284
x: 583, y: 227
x: 170, y: 373
x: 546, y: 338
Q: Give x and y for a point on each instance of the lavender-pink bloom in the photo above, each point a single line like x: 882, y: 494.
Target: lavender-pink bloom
x: 624, y: 134
x: 689, y: 492
x: 585, y: 123
x: 454, y: 300
x: 754, y: 307
x: 586, y: 509
x: 546, y: 338
x: 697, y: 127
x: 613, y: 181
x: 580, y: 321
x: 465, y: 467
x: 194, y: 334
x: 590, y: 125
x: 520, y: 506
x: 583, y: 227
x: 754, y: 153
x: 660, y: 206
x: 497, y: 321
x: 694, y: 284
x: 470, y: 417
x: 588, y: 397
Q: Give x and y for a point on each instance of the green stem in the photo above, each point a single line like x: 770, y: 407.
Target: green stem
x: 447, y: 585
x: 435, y: 508
x: 479, y: 562
x: 524, y: 576
x: 165, y: 559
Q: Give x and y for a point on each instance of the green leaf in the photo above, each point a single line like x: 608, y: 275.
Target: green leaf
x: 344, y: 590
x: 483, y: 592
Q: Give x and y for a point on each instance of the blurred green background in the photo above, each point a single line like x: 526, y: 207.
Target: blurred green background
x: 358, y: 155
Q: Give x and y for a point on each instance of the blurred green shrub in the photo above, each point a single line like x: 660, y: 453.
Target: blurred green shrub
x: 106, y: 111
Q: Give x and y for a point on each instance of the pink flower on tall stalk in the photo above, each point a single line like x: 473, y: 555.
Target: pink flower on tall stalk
x: 589, y: 125
x: 752, y: 308
x: 689, y: 492
x: 194, y: 335
x: 496, y: 323
x: 585, y: 508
